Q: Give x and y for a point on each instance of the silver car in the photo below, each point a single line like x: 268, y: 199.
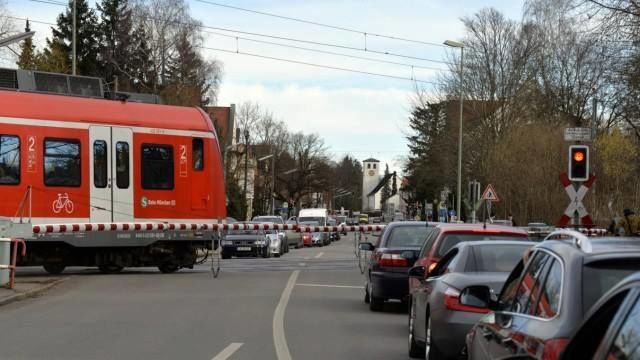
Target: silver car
x: 438, y: 322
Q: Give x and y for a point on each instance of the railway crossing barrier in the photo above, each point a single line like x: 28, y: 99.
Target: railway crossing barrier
x: 8, y: 260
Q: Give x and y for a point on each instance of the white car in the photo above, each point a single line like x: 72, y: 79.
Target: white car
x: 275, y: 243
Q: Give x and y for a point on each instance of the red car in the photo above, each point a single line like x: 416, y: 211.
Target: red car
x: 446, y: 236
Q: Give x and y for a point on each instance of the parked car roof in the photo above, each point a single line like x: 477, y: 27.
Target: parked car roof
x: 482, y: 228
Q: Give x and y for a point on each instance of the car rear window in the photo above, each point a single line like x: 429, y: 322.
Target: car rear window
x: 450, y: 240
x: 495, y: 258
x: 408, y: 236
x: 600, y: 277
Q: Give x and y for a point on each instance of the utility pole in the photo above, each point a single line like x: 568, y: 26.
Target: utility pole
x: 73, y: 41
x: 273, y: 185
x: 246, y: 166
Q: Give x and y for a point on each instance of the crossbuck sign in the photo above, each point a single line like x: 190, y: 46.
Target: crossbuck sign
x: 576, y: 205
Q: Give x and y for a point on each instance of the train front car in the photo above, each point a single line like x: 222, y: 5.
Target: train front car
x: 69, y: 159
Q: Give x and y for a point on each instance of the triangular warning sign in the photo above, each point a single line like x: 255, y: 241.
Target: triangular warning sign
x: 490, y: 194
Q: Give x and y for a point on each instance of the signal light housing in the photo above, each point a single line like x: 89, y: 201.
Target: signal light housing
x: 578, y: 163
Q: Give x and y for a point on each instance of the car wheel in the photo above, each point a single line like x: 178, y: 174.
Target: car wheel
x: 168, y: 268
x: 110, y: 268
x: 54, y: 268
x: 416, y: 351
x: 367, y: 299
x: 431, y: 351
x: 226, y: 256
x: 375, y: 303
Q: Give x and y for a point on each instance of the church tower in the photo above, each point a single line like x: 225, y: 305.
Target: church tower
x: 370, y: 178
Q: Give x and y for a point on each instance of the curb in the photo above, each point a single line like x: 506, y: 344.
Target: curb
x: 32, y: 292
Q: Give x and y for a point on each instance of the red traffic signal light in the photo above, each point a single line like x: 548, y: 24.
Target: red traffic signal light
x: 578, y: 163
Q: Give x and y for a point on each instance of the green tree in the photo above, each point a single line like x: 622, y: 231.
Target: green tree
x: 189, y: 78
x: 348, y: 174
x: 28, y: 58
x: 431, y: 163
x: 236, y: 206
x: 385, y: 192
x: 54, y: 58
x: 87, y: 45
x: 115, y: 35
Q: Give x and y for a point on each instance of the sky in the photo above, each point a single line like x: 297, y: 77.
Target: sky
x: 357, y: 114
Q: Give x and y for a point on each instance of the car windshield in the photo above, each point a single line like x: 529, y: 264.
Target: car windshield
x: 319, y: 220
x: 268, y: 219
x: 495, y: 258
x: 598, y: 278
x: 407, y: 236
x: 450, y: 240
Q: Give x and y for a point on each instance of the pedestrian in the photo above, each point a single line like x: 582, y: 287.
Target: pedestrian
x: 513, y: 221
x: 630, y: 223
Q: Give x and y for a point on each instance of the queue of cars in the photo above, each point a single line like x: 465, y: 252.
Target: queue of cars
x: 480, y: 291
x: 267, y: 243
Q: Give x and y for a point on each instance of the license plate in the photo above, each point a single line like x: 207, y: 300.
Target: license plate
x: 244, y: 248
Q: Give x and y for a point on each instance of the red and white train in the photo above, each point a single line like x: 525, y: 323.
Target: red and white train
x: 77, y: 159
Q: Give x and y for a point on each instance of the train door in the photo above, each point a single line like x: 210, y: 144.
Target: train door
x: 111, y: 156
x: 122, y: 174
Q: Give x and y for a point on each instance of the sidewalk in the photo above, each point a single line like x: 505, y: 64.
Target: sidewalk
x: 26, y: 287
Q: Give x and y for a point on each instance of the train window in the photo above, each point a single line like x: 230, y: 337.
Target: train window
x: 122, y: 165
x: 157, y: 167
x: 100, y: 164
x: 198, y: 154
x: 9, y: 160
x: 61, y: 162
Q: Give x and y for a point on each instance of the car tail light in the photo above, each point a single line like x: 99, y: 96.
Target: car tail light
x: 452, y: 302
x: 553, y: 348
x: 391, y: 260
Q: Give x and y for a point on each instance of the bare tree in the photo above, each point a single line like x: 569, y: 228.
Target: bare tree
x: 7, y: 27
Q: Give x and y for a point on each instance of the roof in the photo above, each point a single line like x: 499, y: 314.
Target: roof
x: 220, y: 117
x: 101, y: 111
x: 496, y: 242
x: 480, y: 228
x: 371, y: 160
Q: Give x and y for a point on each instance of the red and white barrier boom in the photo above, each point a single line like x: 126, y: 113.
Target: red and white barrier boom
x: 147, y: 226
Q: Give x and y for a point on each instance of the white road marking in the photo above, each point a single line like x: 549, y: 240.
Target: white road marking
x: 332, y: 286
x: 279, y: 338
x: 228, y: 351
x: 302, y: 264
x: 317, y: 256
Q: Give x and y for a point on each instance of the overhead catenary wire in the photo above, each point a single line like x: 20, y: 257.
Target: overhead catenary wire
x: 327, y: 52
x: 237, y: 51
x: 50, y: 2
x: 318, y: 43
x: 335, y: 27
x: 318, y: 65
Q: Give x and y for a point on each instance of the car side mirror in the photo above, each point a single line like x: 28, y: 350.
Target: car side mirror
x: 478, y: 296
x: 417, y: 272
x: 367, y: 246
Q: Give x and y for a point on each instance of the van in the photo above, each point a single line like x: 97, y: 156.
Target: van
x: 316, y: 217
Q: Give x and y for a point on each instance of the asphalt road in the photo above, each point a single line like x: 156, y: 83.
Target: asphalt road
x: 305, y: 305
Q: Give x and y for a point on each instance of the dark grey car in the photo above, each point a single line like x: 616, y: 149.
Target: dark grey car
x: 392, y: 255
x: 546, y: 298
x: 438, y: 323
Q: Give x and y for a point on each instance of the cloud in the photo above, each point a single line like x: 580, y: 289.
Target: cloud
x: 358, y: 121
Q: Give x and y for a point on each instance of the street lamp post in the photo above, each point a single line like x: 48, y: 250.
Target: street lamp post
x: 246, y: 166
x: 459, y: 45
x: 273, y: 179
